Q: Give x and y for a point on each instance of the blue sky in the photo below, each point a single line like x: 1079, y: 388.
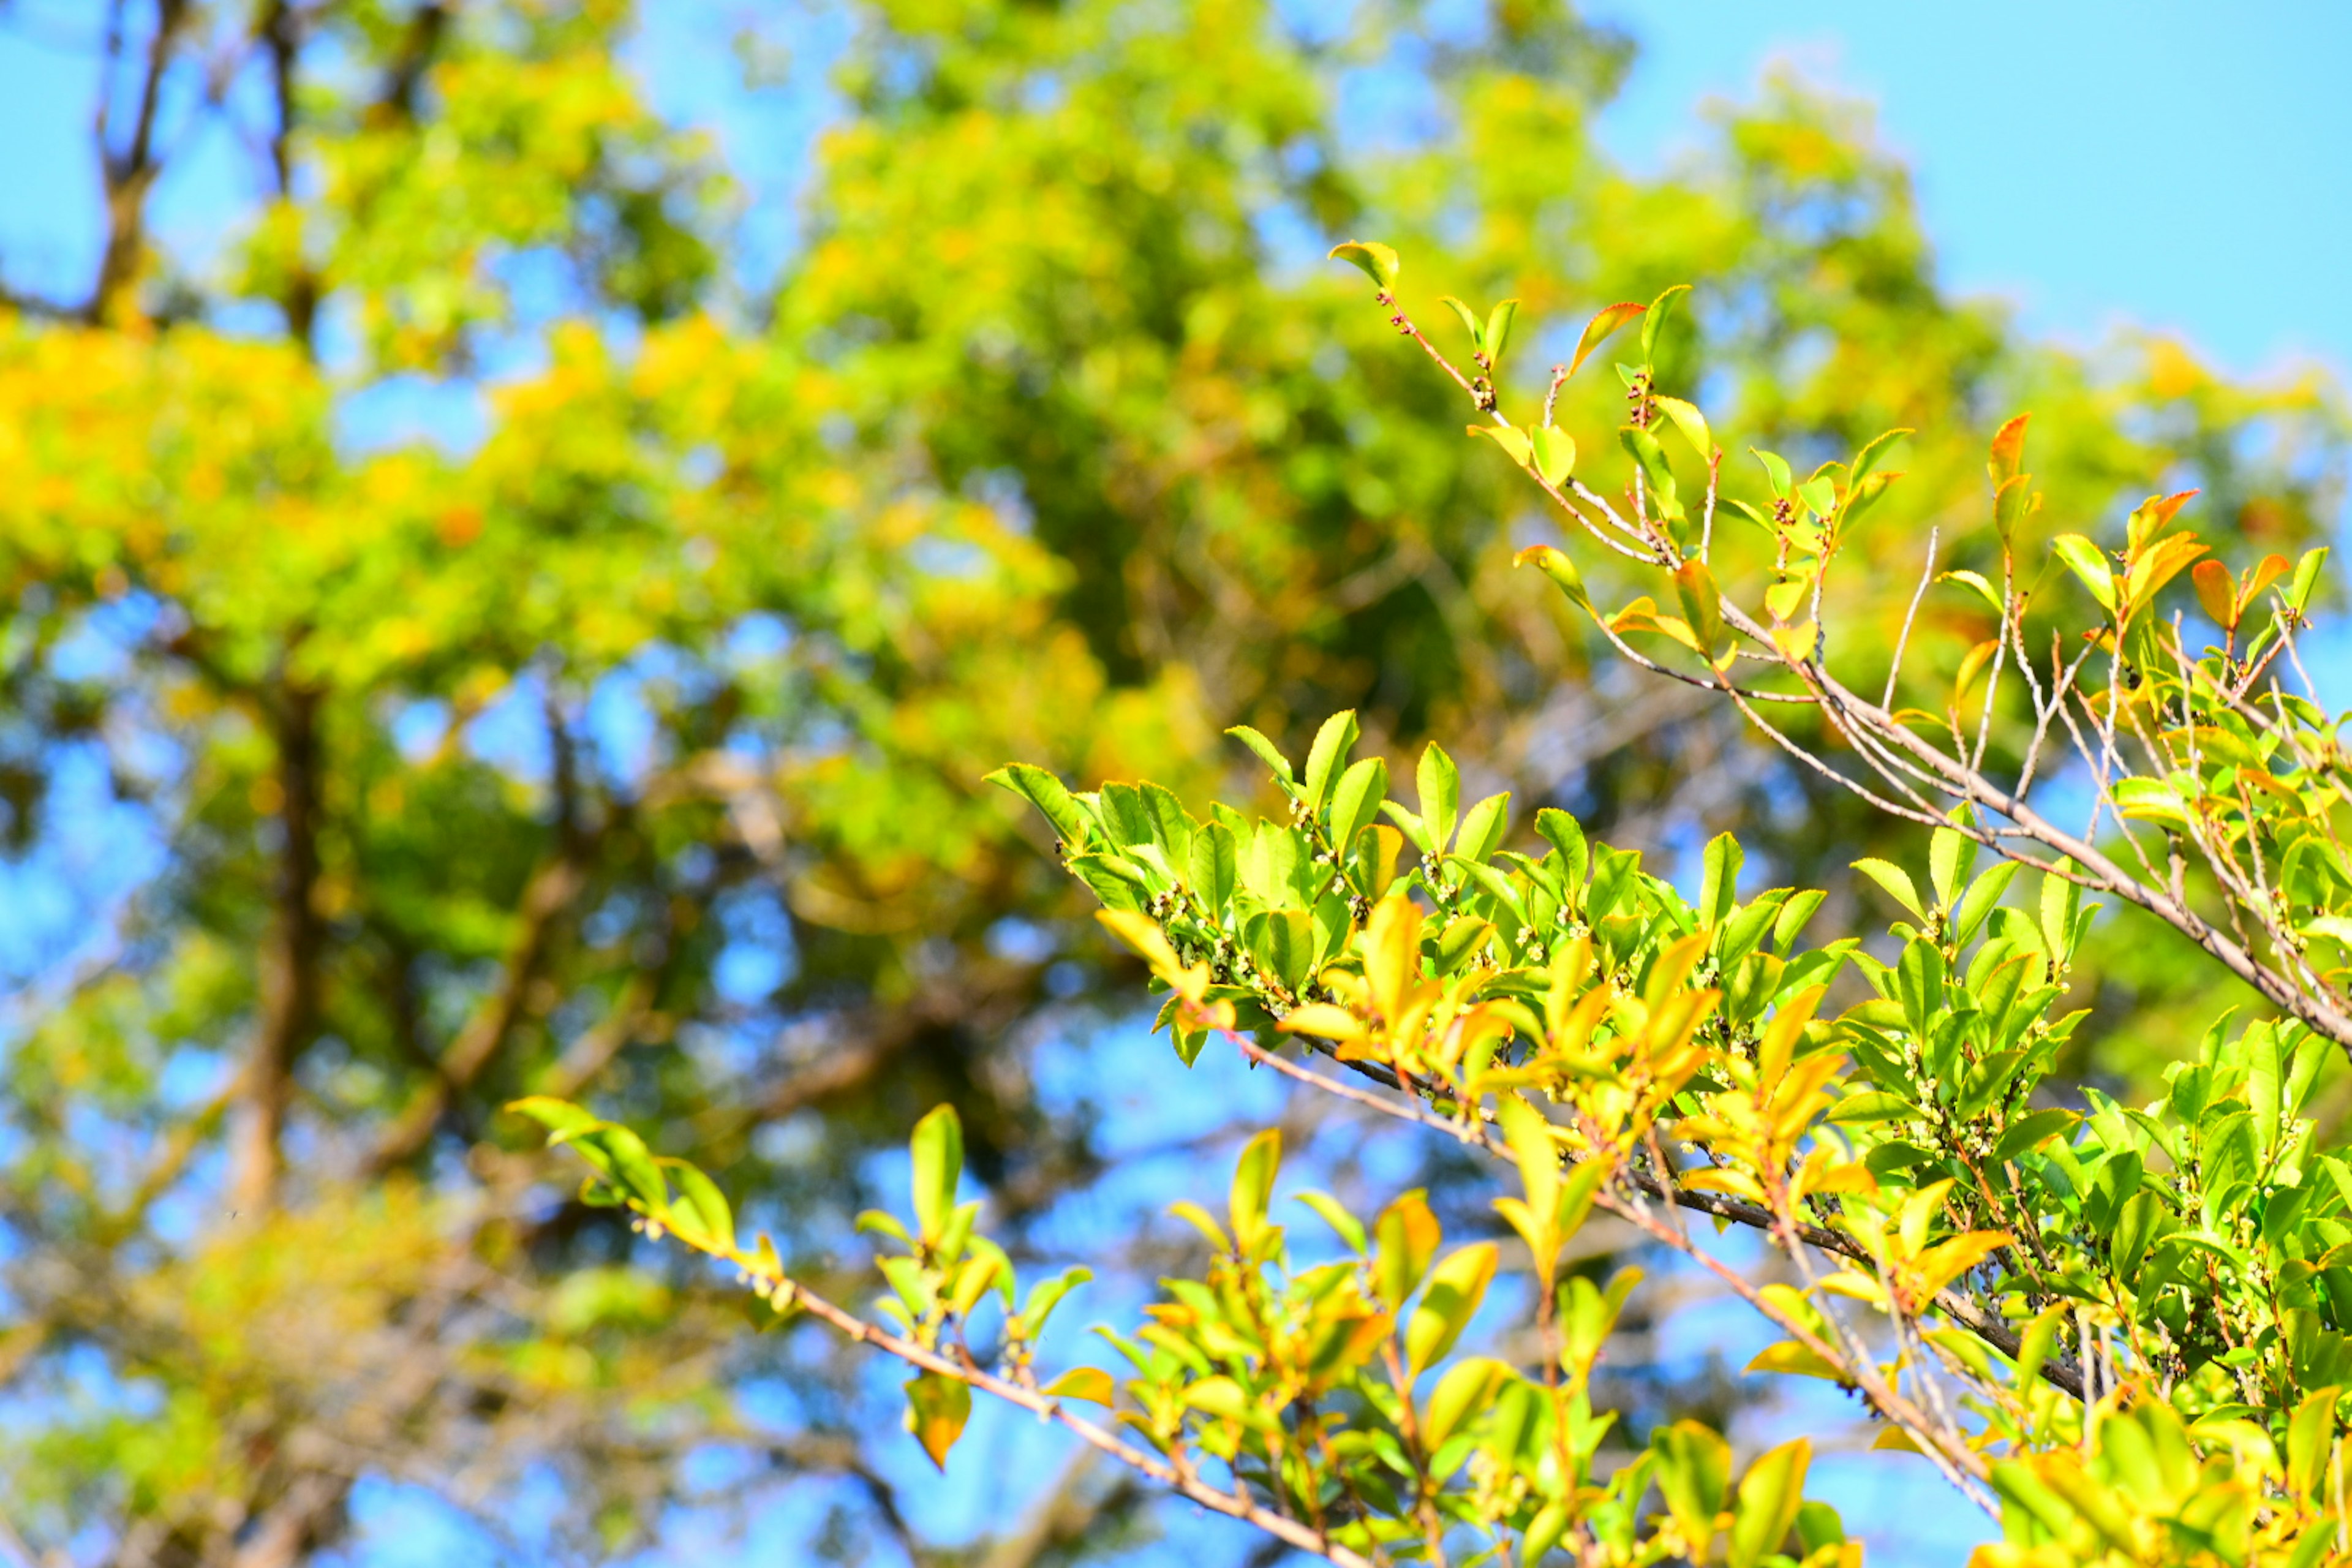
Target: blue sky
x: 2184, y: 166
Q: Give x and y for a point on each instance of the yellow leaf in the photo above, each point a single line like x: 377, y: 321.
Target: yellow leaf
x: 1515, y: 442
x: 1796, y: 1360
x: 1947, y: 1260
x: 1391, y: 947
x: 1091, y: 1384
x: 1321, y: 1018
x: 1856, y: 1285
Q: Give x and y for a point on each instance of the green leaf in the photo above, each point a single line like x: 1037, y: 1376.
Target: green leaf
x: 562, y: 1118
x: 2305, y: 580
x: 2061, y: 901
x: 937, y: 1408
x: 2310, y: 1436
x: 1976, y: 581
x: 1045, y: 1297
x: 1332, y: 742
x: 1544, y: 1531
x: 1253, y: 1187
x: 1691, y: 422
x: 2087, y: 561
x: 1660, y: 309
x: 1497, y: 335
x: 1335, y: 1214
x: 1469, y: 320
x: 1379, y: 263
x: 1596, y: 330
x: 1818, y: 1528
x: 1047, y: 793
x: 1555, y: 454
x: 700, y: 1212
x: 1404, y: 1238
x: 1565, y: 834
x: 1951, y: 855
x: 1720, y: 887
x: 1469, y: 1386
x: 1980, y: 900
x: 1694, y: 1471
x: 2031, y: 1130
x: 1897, y: 883
x: 1357, y: 801
x: 1644, y: 449
x: 1483, y: 826
x: 1769, y: 1495
x: 1790, y: 923
x: 624, y: 1158
x: 1456, y: 1288
x: 1820, y: 495
x: 1702, y: 604
x: 1555, y: 564
x: 1866, y: 461
x: 1776, y: 470
x: 1440, y: 786
x: 1213, y: 864
x: 938, y: 1150
x: 2265, y: 1082
x: 1268, y: 753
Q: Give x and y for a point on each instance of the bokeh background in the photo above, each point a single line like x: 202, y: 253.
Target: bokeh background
x: 523, y: 525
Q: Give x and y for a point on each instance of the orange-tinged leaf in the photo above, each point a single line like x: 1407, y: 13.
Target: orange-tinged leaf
x: 2009, y: 450
x: 1596, y: 330
x: 2269, y: 570
x: 2217, y: 591
x: 2153, y: 516
x: 937, y: 1408
x: 1641, y: 616
x: 2158, y: 565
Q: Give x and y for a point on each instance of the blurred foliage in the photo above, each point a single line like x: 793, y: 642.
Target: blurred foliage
x: 633, y: 751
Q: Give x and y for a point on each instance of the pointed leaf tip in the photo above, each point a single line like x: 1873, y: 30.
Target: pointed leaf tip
x: 1378, y: 263
x: 1596, y: 330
